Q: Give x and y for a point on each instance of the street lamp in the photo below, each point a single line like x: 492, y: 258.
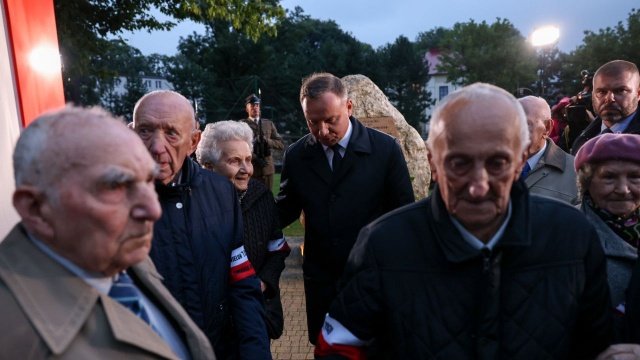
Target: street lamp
x: 544, y: 38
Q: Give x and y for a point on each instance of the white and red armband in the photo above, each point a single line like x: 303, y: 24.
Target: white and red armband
x: 275, y: 246
x: 240, y: 265
x: 336, y: 339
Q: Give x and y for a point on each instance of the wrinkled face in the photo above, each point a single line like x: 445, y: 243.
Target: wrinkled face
x: 476, y: 161
x: 327, y: 117
x: 537, y: 133
x: 235, y: 163
x: 615, y: 187
x: 253, y: 110
x: 103, y: 218
x: 165, y: 124
x: 615, y: 97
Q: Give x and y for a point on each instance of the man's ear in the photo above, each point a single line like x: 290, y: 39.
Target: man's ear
x: 434, y: 173
x: 195, y: 139
x: 548, y: 126
x: 349, y: 106
x: 35, y: 210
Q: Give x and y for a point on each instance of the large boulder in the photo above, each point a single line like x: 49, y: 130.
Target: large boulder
x: 372, y: 108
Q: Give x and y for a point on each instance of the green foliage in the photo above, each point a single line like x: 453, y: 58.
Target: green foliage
x: 493, y: 53
x: 404, y: 78
x: 83, y: 27
x: 620, y: 42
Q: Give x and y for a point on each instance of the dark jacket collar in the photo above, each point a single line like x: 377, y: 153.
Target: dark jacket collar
x: 456, y: 249
x: 190, y: 177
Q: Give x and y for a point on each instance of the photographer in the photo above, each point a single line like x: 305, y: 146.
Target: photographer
x: 266, y: 137
x: 615, y: 101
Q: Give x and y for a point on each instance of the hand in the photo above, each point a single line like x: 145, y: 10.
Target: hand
x: 621, y: 352
x: 263, y: 286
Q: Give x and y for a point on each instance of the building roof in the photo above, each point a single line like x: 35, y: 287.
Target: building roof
x: 432, y: 57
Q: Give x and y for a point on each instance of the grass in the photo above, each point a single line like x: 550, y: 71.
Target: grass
x: 295, y: 229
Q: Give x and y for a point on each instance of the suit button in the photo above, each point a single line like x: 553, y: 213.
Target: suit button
x: 221, y: 307
x: 332, y: 198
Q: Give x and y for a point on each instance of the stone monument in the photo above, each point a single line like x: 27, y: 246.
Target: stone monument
x: 373, y: 109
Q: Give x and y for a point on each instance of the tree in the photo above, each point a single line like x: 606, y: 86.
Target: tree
x: 495, y: 53
x: 432, y: 39
x: 84, y: 25
x: 620, y: 42
x: 406, y: 76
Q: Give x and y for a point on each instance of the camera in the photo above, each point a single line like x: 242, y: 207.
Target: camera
x: 576, y: 112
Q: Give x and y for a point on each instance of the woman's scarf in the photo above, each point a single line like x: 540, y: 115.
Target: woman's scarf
x: 628, y: 229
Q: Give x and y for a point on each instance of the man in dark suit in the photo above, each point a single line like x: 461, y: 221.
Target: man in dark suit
x: 266, y: 138
x: 75, y: 278
x: 616, y: 92
x: 343, y: 175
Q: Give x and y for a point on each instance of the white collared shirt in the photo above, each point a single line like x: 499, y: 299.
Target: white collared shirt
x: 474, y: 241
x: 343, y: 143
x: 532, y: 161
x: 619, y: 127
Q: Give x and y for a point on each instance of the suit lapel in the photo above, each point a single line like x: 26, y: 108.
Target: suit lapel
x: 358, y: 143
x: 314, y: 153
x: 552, y: 157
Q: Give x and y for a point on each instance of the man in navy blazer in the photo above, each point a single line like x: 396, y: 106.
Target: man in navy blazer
x: 343, y: 175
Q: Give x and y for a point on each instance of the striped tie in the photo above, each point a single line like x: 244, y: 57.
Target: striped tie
x: 126, y: 293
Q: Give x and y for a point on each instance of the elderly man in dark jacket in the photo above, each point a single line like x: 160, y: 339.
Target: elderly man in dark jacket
x: 197, y: 243
x: 343, y: 175
x: 481, y: 269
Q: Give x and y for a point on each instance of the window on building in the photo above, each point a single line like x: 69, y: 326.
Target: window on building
x: 147, y: 84
x: 443, y: 91
x: 158, y: 84
x: 118, y: 82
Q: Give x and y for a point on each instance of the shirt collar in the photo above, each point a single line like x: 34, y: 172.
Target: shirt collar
x: 619, y: 126
x: 532, y: 161
x: 474, y: 241
x: 345, y: 139
x: 98, y: 281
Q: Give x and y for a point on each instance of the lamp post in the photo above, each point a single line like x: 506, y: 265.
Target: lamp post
x: 544, y: 38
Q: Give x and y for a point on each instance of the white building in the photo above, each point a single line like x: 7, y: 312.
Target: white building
x: 437, y: 84
x: 152, y: 83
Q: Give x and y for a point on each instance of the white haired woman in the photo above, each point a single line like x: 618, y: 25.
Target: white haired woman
x: 226, y: 148
x: 608, y: 168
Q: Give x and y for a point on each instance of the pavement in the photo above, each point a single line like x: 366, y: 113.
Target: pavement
x: 294, y: 342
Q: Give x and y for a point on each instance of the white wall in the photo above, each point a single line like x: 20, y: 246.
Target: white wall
x: 9, y: 130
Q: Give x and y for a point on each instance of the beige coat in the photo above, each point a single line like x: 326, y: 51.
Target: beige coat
x: 554, y: 175
x: 47, y: 312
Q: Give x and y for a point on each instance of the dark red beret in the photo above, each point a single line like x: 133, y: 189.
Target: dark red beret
x: 609, y: 147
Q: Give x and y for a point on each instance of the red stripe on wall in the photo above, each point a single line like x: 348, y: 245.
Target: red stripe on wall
x: 32, y: 25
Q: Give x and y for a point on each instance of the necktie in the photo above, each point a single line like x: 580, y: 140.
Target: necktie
x: 525, y: 171
x: 606, y: 131
x: 126, y: 293
x: 337, y: 158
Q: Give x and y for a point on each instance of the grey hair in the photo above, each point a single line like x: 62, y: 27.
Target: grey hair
x: 38, y: 145
x: 583, y: 179
x: 209, y: 150
x: 481, y: 92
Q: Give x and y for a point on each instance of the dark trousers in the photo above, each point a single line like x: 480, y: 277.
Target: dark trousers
x: 319, y: 293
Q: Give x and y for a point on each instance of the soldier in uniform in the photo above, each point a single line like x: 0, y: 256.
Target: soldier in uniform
x: 265, y: 137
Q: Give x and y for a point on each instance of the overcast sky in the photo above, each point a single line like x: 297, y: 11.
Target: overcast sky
x: 378, y: 22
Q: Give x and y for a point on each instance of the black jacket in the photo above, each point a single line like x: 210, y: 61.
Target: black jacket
x: 593, y: 130
x: 372, y: 180
x: 421, y: 291
x: 201, y: 225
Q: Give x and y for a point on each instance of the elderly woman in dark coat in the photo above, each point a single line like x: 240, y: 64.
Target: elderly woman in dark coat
x: 608, y: 169
x: 226, y: 148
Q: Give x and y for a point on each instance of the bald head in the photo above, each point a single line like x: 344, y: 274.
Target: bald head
x: 58, y: 141
x: 539, y: 122
x: 165, y: 122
